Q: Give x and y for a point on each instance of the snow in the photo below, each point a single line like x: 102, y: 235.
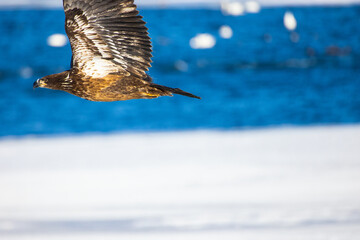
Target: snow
x: 314, y: 233
x: 289, y: 183
x: 58, y: 3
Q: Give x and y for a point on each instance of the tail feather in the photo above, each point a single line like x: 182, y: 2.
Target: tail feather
x: 174, y: 90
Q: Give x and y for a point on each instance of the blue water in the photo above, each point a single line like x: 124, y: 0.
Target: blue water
x: 258, y: 78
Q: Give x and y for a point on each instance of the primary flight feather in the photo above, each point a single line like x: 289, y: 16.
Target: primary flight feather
x: 111, y: 53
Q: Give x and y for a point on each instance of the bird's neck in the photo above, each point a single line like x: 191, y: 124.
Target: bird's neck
x: 59, y: 81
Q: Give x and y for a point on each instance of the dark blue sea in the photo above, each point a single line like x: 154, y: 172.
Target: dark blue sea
x: 263, y: 76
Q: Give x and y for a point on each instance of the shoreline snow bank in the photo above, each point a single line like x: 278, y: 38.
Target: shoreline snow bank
x: 185, y: 161
x: 300, y: 178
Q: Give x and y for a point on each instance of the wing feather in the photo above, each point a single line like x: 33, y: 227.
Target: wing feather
x: 107, y: 36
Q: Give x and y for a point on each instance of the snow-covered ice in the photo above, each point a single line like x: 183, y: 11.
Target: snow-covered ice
x: 58, y: 3
x: 296, y: 183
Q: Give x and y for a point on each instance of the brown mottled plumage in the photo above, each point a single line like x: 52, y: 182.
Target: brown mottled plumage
x: 111, y: 53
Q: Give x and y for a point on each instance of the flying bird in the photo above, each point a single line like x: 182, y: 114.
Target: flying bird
x: 111, y: 53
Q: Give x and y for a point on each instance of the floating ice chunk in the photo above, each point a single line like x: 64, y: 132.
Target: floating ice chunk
x: 290, y: 21
x: 294, y: 37
x: 26, y: 72
x: 57, y: 40
x: 234, y: 8
x: 181, y: 66
x: 252, y: 7
x: 225, y: 31
x: 203, y: 41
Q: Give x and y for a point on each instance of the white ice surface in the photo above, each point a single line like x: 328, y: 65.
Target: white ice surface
x: 301, y: 183
x: 58, y: 3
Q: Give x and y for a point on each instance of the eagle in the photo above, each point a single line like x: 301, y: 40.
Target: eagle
x: 111, y: 53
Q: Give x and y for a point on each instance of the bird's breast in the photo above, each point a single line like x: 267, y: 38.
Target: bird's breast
x: 109, y: 88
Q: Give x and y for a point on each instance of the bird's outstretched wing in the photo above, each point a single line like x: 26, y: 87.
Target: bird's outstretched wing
x: 107, y: 36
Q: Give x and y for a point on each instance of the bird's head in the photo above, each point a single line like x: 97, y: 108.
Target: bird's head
x: 54, y: 81
x: 41, y: 82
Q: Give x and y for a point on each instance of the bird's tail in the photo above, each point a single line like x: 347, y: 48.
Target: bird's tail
x: 169, y: 91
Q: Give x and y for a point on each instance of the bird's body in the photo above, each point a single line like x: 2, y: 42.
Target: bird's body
x: 111, y: 53
x: 112, y: 87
